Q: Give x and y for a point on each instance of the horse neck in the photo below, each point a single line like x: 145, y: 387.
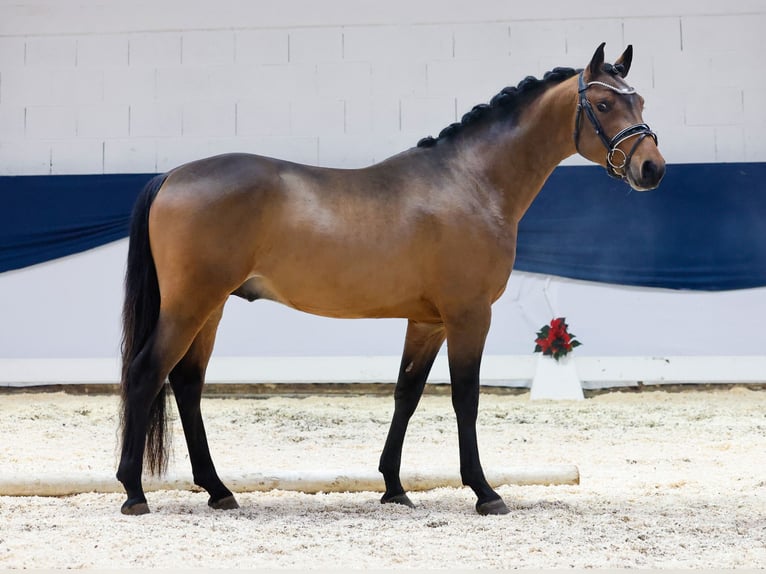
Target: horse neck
x: 516, y: 162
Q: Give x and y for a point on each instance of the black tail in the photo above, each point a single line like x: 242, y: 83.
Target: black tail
x: 140, y: 312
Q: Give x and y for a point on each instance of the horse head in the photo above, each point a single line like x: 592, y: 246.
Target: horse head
x: 617, y: 137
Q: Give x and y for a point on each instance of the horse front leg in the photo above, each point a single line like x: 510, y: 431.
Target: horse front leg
x: 187, y: 379
x: 466, y: 335
x: 421, y: 345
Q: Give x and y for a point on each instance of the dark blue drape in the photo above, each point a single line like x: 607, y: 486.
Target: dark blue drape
x: 45, y: 217
x: 704, y: 228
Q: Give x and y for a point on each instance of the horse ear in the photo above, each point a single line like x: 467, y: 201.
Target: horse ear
x: 624, y: 61
x: 594, y: 68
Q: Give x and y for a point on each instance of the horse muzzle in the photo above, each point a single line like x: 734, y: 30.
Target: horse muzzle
x: 647, y: 174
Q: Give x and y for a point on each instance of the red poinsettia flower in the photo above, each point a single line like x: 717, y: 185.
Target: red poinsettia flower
x: 555, y: 340
x: 544, y: 344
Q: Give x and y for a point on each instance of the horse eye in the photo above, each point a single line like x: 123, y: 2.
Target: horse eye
x: 602, y: 106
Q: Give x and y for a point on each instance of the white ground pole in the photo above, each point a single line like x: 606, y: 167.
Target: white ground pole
x: 310, y: 482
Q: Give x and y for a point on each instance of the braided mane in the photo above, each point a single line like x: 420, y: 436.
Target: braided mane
x: 507, y: 103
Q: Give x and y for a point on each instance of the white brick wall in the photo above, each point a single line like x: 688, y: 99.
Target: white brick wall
x: 12, y: 120
x: 526, y: 37
x: 130, y: 86
x: 258, y: 47
x: 207, y: 48
x: 399, y: 44
x: 426, y: 115
x: 51, y: 52
x: 51, y: 122
x: 12, y: 52
x: 103, y: 121
x: 262, y: 117
x: 344, y: 79
x: 482, y: 41
x: 102, y: 52
x: 78, y: 156
x: 25, y: 156
x: 154, y: 50
x: 156, y: 119
x: 208, y: 119
x: 137, y: 86
x: 311, y: 45
x: 130, y: 155
x: 317, y: 116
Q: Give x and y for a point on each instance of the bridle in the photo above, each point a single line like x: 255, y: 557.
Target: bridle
x: 615, y: 166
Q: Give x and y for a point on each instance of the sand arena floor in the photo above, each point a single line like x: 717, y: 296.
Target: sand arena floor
x: 668, y: 480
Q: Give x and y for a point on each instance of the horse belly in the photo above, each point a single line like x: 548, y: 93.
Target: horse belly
x: 356, y: 293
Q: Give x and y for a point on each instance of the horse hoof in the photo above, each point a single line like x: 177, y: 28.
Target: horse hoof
x: 226, y: 503
x: 136, y: 509
x: 494, y: 507
x: 402, y: 499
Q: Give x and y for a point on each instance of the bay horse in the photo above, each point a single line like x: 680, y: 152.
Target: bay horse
x: 428, y: 235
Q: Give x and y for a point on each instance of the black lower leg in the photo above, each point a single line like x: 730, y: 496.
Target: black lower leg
x: 465, y: 340
x: 391, y: 458
x: 141, y: 391
x: 465, y: 400
x: 187, y: 388
x: 421, y: 346
x: 129, y: 469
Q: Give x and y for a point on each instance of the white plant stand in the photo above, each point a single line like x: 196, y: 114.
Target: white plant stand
x: 556, y: 380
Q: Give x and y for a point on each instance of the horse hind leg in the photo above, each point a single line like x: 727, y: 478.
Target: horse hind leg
x: 421, y: 346
x: 187, y: 379
x: 143, y: 412
x: 143, y: 420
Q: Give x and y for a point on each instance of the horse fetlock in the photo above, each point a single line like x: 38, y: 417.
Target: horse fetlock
x: 214, y: 487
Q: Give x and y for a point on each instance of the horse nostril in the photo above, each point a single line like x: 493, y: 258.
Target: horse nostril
x: 651, y: 172
x: 647, y: 169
